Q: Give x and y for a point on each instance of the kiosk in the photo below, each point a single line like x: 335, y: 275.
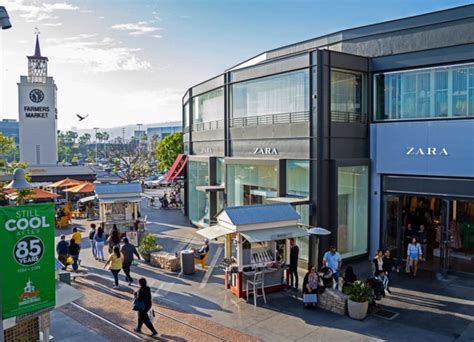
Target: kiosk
x: 256, y: 239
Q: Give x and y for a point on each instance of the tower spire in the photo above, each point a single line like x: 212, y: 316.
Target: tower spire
x: 37, y: 46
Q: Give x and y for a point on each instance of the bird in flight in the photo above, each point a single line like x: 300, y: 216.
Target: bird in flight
x: 82, y: 117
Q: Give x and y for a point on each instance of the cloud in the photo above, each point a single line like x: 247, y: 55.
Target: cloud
x: 52, y: 24
x: 136, y: 29
x: 96, y: 55
x: 155, y: 15
x: 157, y: 36
x: 34, y: 12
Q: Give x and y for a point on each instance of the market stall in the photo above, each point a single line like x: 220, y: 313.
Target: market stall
x: 119, y: 204
x: 256, y: 240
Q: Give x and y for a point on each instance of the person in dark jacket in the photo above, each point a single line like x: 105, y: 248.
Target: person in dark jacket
x: 114, y: 238
x: 74, y: 249
x: 423, y: 239
x: 378, y: 268
x: 128, y: 251
x: 349, y: 277
x: 144, y: 295
x: 389, y: 265
x: 62, y: 248
x: 294, y: 252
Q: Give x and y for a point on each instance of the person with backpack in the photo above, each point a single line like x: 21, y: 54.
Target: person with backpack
x: 91, y: 239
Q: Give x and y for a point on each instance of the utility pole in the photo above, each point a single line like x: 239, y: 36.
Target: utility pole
x: 139, y: 134
x: 96, y: 129
x: 123, y: 135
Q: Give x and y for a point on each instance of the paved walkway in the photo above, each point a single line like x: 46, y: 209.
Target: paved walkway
x: 429, y: 310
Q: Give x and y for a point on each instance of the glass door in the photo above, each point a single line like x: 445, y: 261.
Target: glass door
x: 392, y: 225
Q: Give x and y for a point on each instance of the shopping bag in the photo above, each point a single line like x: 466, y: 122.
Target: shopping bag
x: 407, y: 266
x: 152, y: 316
x: 310, y: 298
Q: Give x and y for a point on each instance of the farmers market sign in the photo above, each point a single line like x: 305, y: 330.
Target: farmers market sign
x: 27, y: 278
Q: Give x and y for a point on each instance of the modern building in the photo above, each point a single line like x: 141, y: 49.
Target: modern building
x: 163, y: 130
x: 10, y: 128
x: 38, y: 112
x: 352, y: 128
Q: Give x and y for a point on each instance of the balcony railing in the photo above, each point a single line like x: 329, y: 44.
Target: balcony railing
x: 348, y: 117
x: 208, y: 126
x: 271, y: 119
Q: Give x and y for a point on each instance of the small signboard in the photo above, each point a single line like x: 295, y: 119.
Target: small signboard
x: 27, y: 277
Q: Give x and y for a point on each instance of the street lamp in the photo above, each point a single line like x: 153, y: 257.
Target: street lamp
x: 4, y: 19
x: 96, y: 129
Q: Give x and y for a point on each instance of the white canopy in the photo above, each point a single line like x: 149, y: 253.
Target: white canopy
x: 213, y: 232
x: 271, y: 234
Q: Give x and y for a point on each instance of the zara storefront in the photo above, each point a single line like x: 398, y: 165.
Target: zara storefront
x: 317, y: 124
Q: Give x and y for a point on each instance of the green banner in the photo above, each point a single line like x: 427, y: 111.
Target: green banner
x: 27, y: 276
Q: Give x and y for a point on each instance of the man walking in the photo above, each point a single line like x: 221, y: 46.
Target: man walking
x: 62, y: 248
x: 128, y: 250
x: 332, y: 259
x: 91, y: 238
x: 294, y: 252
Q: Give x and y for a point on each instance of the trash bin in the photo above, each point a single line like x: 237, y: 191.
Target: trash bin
x: 187, y: 261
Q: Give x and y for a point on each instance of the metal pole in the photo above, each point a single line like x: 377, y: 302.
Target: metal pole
x: 96, y: 129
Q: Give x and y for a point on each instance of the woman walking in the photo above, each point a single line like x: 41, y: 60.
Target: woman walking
x: 114, y: 238
x: 116, y: 262
x: 99, y: 239
x: 143, y: 295
x: 414, y: 254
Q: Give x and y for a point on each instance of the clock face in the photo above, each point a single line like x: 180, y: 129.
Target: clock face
x: 36, y: 95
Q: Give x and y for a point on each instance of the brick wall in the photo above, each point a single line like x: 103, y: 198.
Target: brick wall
x: 334, y: 301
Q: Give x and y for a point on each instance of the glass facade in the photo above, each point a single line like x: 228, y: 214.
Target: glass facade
x: 186, y: 117
x: 208, y: 107
x: 352, y: 211
x: 346, y: 96
x: 251, y: 184
x: 220, y: 180
x: 280, y: 94
x: 198, y: 175
x: 441, y: 92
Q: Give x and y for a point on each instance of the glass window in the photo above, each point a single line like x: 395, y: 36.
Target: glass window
x: 280, y: 94
x: 297, y: 177
x: 251, y: 184
x: 303, y: 242
x: 209, y: 106
x: 220, y: 180
x: 186, y: 116
x: 352, y: 211
x: 198, y: 175
x: 441, y: 92
x: 346, y: 96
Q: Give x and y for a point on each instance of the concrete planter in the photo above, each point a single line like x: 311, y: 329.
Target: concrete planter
x: 357, y: 310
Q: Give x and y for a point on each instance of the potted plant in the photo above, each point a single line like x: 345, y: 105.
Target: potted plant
x: 147, y: 246
x: 358, y: 303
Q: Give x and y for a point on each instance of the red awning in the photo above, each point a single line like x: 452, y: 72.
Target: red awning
x: 177, y: 167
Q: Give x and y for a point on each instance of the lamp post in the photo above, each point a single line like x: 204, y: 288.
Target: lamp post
x: 96, y: 129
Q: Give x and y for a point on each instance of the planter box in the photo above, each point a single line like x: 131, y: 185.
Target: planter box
x: 333, y: 300
x: 165, y: 260
x: 357, y: 310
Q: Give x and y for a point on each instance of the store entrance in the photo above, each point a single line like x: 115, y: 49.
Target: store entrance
x: 446, y: 225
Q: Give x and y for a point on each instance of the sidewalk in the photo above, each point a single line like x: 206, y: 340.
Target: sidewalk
x: 429, y: 310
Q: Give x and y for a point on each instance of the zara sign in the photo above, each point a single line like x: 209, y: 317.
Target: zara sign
x: 427, y: 151
x: 265, y: 151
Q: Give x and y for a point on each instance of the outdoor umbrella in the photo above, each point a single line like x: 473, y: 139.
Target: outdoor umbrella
x: 81, y: 188
x: 35, y: 194
x: 66, y: 182
x: 318, y: 231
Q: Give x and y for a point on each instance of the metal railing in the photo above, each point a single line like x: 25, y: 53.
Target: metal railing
x: 348, y: 117
x: 208, y: 126
x: 271, y: 119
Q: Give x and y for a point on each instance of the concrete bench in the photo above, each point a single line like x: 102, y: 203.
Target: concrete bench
x: 334, y: 301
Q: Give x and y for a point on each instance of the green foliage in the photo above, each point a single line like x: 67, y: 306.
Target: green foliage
x: 168, y: 149
x: 148, y: 245
x: 130, y: 163
x: 359, y: 292
x: 7, y: 145
x: 22, y: 195
x: 84, y: 139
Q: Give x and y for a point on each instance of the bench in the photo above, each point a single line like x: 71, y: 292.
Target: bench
x: 202, y: 261
x: 333, y: 300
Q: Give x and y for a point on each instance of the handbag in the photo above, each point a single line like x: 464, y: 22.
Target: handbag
x: 310, y: 298
x: 138, y: 305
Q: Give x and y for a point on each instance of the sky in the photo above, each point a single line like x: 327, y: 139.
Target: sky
x: 131, y: 61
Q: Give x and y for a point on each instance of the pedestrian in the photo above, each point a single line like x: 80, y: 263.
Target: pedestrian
x: 202, y: 251
x: 62, y: 248
x: 116, y: 262
x: 91, y: 239
x: 332, y: 259
x: 114, y: 238
x: 74, y: 249
x: 409, y: 234
x: 349, y: 277
x: 128, y: 250
x: 99, y: 239
x: 379, y: 271
x: 414, y: 254
x: 143, y: 295
x: 310, y: 286
x: 76, y: 235
x: 294, y: 255
x: 389, y: 265
x: 423, y: 239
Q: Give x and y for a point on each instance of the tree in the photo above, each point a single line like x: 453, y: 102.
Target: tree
x: 84, y: 139
x: 168, y: 149
x: 70, y: 138
x: 129, y: 163
x: 7, y: 146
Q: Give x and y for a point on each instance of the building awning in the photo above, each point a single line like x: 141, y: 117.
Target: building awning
x: 210, y: 188
x: 120, y: 200
x: 213, y: 232
x: 271, y: 234
x: 88, y: 199
x: 289, y: 199
x: 177, y: 167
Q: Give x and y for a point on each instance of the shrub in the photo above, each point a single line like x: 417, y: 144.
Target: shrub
x: 148, y: 245
x: 359, y: 292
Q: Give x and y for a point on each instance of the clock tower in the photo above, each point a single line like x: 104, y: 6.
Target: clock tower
x: 38, y: 112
